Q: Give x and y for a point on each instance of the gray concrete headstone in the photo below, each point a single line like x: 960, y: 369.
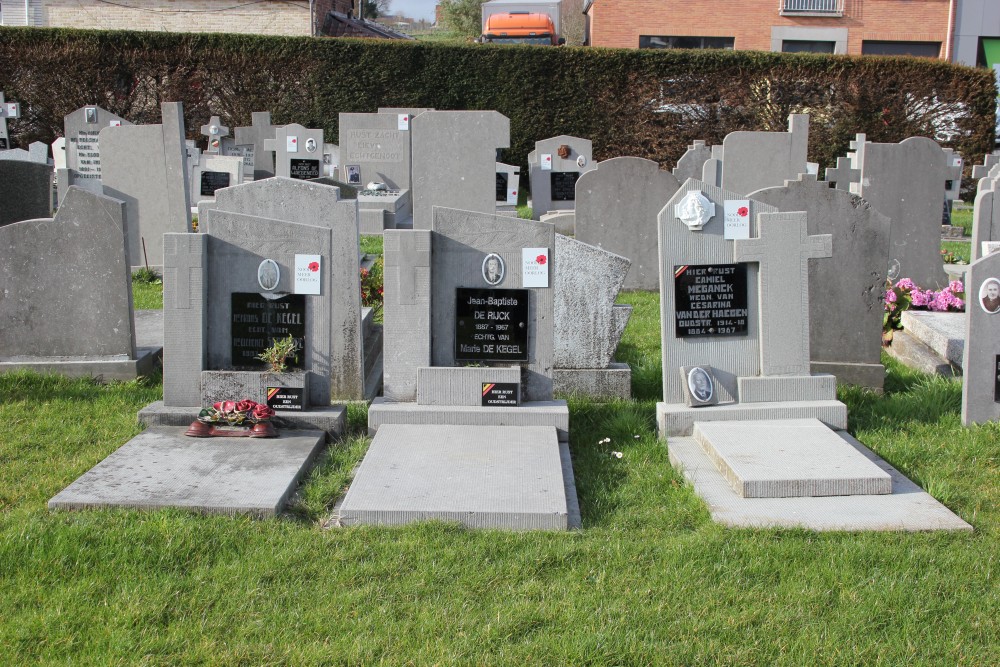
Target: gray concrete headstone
x: 311, y: 203
x: 552, y: 176
x: 990, y: 160
x: 146, y: 167
x: 9, y: 109
x: 454, y: 161
x: 214, y: 132
x: 617, y: 205
x: 298, y: 152
x: 259, y: 132
x: 25, y: 191
x: 985, y: 217
x: 37, y: 152
x: 406, y: 311
x: 690, y: 165
x: 845, y: 294
x: 66, y: 286
x: 755, y: 160
x: 981, y: 357
x: 375, y: 143
x: 843, y: 174
x: 906, y: 183
x: 83, y: 151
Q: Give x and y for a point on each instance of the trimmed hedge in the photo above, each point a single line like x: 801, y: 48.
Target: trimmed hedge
x: 649, y: 104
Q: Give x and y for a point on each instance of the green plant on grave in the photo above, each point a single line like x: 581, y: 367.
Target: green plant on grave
x: 278, y: 354
x: 146, y: 275
x: 371, y: 287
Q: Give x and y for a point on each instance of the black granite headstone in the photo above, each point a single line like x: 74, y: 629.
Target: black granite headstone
x: 257, y: 322
x: 711, y: 300
x: 491, y: 324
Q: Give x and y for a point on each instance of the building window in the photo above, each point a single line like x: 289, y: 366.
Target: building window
x: 989, y: 52
x: 806, y: 46
x: 662, y: 42
x: 919, y: 49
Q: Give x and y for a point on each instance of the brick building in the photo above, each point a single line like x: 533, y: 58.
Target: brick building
x: 262, y: 17
x: 884, y: 27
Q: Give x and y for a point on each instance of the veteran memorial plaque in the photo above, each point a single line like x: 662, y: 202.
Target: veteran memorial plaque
x: 212, y: 181
x: 256, y: 322
x: 303, y: 169
x: 711, y: 300
x: 564, y: 185
x: 501, y: 394
x: 491, y: 324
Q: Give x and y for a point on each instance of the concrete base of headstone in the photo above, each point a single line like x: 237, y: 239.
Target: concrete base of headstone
x: 907, y: 508
x: 438, y: 385
x: 787, y: 388
x: 912, y: 352
x: 956, y: 271
x: 673, y: 419
x: 942, y: 332
x: 530, y: 413
x: 871, y: 376
x: 163, y: 468
x: 479, y: 476
x: 787, y: 458
x: 377, y: 213
x: 239, y: 385
x: 372, y: 221
x: 102, y: 368
x: 330, y: 418
x: 565, y: 221
x: 612, y: 382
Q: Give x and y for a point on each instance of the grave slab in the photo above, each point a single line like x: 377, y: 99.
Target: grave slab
x: 163, y: 468
x: 914, y: 353
x: 481, y: 477
x: 907, y: 508
x: 678, y: 419
x: 530, y: 413
x: 942, y: 332
x: 791, y: 457
x: 615, y: 381
x: 330, y: 419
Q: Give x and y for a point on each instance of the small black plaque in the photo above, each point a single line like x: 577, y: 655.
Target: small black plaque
x: 564, y: 185
x: 502, y: 186
x: 212, y: 181
x: 996, y: 379
x: 303, y: 169
x: 710, y: 300
x: 491, y: 324
x: 256, y: 322
x: 3, y: 143
x: 285, y: 398
x: 501, y: 394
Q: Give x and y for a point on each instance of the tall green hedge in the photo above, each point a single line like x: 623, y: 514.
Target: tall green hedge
x: 649, y: 104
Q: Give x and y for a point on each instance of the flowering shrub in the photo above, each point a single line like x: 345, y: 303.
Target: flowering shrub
x: 236, y: 413
x: 905, y: 295
x: 371, y: 287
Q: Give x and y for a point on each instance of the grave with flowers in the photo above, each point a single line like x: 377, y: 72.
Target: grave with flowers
x: 757, y: 431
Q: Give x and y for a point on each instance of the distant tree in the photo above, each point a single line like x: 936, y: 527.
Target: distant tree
x: 463, y: 17
x: 573, y: 24
x: 375, y: 8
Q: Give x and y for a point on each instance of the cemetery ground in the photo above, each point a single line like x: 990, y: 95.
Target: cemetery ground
x: 649, y: 579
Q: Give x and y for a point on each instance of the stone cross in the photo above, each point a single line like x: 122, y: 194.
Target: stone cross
x: 857, y: 141
x: 7, y: 110
x: 179, y: 261
x: 782, y: 250
x: 259, y: 131
x: 215, y: 131
x: 412, y: 286
x: 843, y: 175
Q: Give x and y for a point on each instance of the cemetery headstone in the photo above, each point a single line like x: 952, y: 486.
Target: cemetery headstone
x: 843, y: 174
x: 981, y: 357
x: 454, y: 161
x: 588, y: 323
x: 297, y: 151
x: 985, y: 219
x: 213, y: 173
x: 59, y: 153
x: 259, y: 132
x: 146, y: 167
x: 229, y: 148
x: 990, y: 160
x: 553, y: 169
x: 7, y: 110
x: 375, y: 148
x: 755, y: 160
x: 617, y: 205
x: 25, y: 191
x: 691, y: 164
x: 214, y: 132
x: 508, y: 186
x: 37, y: 152
x: 67, y: 303
x: 906, y: 183
x: 83, y: 152
x: 846, y: 292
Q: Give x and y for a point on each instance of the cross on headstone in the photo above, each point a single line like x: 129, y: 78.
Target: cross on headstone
x: 416, y: 256
x: 781, y: 249
x: 257, y: 134
x: 179, y: 263
x: 215, y: 131
x: 953, y: 180
x: 857, y: 141
x: 7, y: 110
x: 843, y: 175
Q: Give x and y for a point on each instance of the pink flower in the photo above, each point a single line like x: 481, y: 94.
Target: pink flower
x: 225, y: 406
x: 956, y: 287
x: 314, y: 266
x: 743, y: 212
x: 921, y: 298
x: 541, y: 259
x: 905, y: 284
x: 890, y: 296
x: 245, y: 405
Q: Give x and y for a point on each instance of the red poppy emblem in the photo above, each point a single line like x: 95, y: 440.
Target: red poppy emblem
x: 743, y: 212
x: 541, y: 259
x: 314, y: 266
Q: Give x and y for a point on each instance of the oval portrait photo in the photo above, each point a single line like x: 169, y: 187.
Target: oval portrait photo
x: 989, y: 295
x: 268, y: 275
x: 493, y: 269
x: 700, y: 384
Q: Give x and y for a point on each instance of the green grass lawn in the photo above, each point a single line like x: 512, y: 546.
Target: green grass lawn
x: 649, y: 579
x: 962, y: 217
